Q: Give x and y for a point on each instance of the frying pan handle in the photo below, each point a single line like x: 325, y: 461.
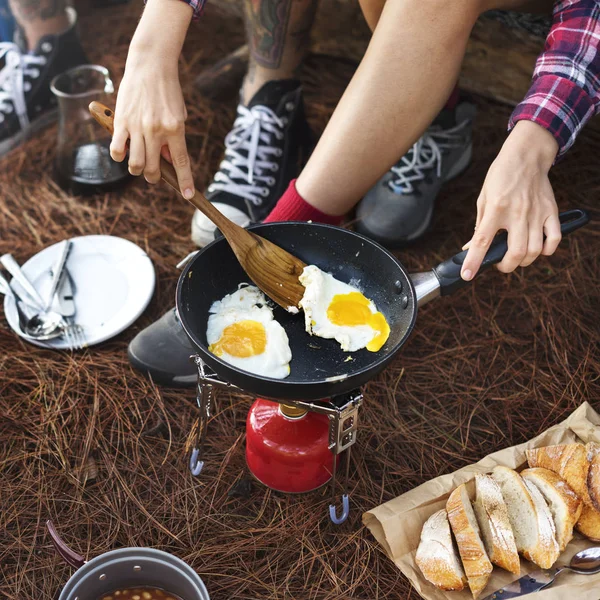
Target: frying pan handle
x: 448, y: 272
x: 69, y: 556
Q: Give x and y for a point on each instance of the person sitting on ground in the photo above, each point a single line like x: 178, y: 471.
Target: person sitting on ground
x: 402, y: 86
x: 47, y: 46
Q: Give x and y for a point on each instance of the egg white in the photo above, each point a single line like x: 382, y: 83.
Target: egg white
x: 249, y: 303
x: 320, y: 288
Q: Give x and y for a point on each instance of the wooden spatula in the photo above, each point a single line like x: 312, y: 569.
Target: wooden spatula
x: 271, y: 268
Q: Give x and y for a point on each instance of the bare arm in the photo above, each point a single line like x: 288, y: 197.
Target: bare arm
x: 150, y: 110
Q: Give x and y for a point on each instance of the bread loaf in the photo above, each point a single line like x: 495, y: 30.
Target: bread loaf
x: 494, y: 524
x: 570, y: 461
x: 472, y: 552
x: 589, y: 523
x: 530, y: 518
x: 564, y: 504
x: 573, y: 463
x: 593, y: 450
x: 437, y: 557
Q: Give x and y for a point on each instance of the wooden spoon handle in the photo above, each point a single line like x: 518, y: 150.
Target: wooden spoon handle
x: 105, y: 117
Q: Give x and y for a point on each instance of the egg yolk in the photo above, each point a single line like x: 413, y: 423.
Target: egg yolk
x: 242, y: 340
x: 353, y: 309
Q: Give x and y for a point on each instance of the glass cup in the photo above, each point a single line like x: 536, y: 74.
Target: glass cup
x: 83, y: 164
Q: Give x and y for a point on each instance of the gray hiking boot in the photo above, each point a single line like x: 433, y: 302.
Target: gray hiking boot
x: 399, y: 208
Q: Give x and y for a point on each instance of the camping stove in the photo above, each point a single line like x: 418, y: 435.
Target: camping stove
x: 292, y: 446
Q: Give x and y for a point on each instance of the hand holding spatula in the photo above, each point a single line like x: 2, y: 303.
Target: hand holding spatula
x: 271, y: 268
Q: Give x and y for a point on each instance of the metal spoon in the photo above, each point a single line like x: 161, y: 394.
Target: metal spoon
x: 23, y: 318
x: 45, y: 325
x: 47, y: 321
x: 586, y: 562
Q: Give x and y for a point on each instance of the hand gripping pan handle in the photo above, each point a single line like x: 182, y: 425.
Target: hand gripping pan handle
x: 448, y: 272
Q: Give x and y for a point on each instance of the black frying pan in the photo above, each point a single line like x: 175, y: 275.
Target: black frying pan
x: 319, y: 368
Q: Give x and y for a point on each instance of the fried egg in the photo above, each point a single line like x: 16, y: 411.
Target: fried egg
x: 243, y: 332
x: 336, y: 310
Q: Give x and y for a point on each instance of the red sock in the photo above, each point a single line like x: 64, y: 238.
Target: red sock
x: 292, y: 207
x: 453, y: 100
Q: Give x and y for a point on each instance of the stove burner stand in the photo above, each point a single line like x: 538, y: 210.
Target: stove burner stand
x: 342, y: 412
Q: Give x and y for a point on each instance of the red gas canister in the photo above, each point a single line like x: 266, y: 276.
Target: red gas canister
x: 287, y: 448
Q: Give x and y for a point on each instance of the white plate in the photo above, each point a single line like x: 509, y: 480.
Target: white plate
x: 113, y: 282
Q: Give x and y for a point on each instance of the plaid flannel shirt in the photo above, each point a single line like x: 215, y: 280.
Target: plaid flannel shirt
x: 197, y: 5
x: 565, y: 92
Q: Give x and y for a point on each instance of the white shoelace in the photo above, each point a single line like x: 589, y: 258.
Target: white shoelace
x: 12, y: 80
x: 253, y: 132
x: 425, y: 155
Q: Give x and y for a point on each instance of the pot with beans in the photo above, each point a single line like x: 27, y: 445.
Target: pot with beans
x: 128, y: 574
x: 143, y: 593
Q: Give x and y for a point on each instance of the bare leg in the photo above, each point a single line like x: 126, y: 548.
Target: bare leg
x: 403, y: 81
x: 278, y: 34
x: 38, y: 18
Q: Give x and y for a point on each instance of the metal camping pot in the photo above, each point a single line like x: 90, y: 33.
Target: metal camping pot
x: 127, y: 568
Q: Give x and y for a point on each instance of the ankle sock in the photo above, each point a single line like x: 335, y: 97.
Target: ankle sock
x: 453, y: 100
x: 292, y: 207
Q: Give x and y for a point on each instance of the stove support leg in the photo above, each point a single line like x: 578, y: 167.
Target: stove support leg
x: 345, y: 499
x: 204, y: 397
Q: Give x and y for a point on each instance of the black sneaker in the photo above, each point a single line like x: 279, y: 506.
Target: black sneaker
x: 26, y: 102
x: 399, y: 208
x: 266, y: 149
x: 163, y: 351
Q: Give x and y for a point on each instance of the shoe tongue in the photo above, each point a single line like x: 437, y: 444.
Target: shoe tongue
x: 50, y: 38
x: 446, y: 119
x: 271, y: 93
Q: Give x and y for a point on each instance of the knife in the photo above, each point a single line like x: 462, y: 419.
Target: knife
x: 57, y: 272
x: 533, y: 582
x: 64, y: 295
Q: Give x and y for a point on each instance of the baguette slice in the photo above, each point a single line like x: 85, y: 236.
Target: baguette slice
x: 563, y: 502
x: 570, y: 461
x: 437, y: 557
x: 589, y: 523
x: 594, y: 473
x: 530, y: 518
x: 492, y: 516
x: 464, y: 525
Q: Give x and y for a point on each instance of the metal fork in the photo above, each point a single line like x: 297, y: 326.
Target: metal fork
x: 74, y: 334
x: 74, y: 331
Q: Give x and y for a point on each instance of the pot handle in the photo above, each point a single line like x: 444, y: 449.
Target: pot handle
x: 69, y: 556
x: 448, y: 272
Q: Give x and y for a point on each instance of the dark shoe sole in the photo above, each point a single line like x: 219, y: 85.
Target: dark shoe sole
x: 162, y: 377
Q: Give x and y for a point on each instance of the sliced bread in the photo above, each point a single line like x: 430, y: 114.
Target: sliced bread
x: 437, y: 557
x: 563, y: 502
x: 594, y: 473
x: 570, y: 461
x: 530, y: 518
x: 472, y: 552
x: 494, y: 524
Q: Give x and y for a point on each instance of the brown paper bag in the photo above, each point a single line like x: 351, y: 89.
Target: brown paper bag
x: 397, y: 524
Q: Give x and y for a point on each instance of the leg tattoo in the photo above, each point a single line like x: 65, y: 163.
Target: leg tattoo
x: 267, y: 22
